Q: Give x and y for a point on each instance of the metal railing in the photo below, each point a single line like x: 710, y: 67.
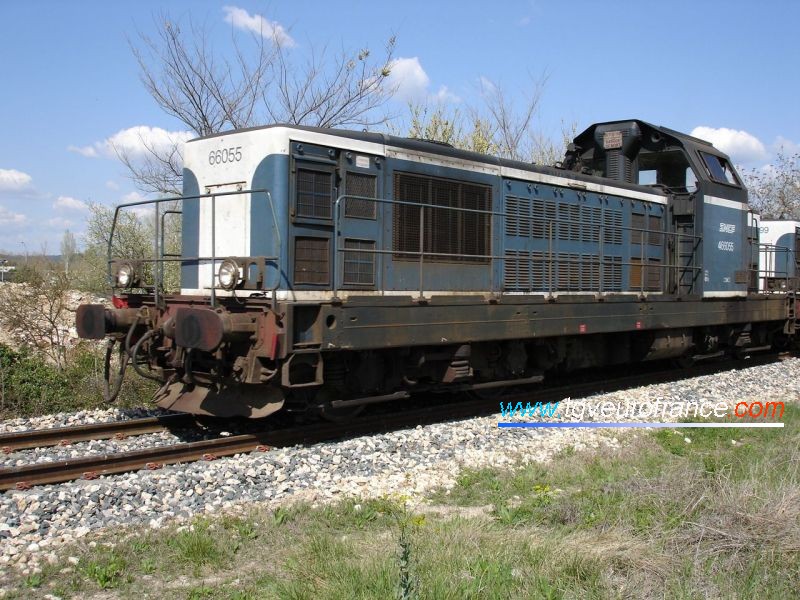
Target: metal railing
x: 670, y: 262
x: 769, y: 279
x: 160, y: 258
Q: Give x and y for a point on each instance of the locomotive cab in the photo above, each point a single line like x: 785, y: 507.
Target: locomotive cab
x: 707, y: 198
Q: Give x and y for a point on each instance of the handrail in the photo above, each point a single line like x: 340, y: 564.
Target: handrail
x: 160, y: 257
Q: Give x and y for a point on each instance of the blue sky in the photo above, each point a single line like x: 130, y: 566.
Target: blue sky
x: 70, y: 82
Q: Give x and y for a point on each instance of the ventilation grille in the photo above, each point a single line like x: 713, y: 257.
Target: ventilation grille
x: 654, y: 238
x: 314, y: 193
x: 570, y: 222
x: 572, y: 272
x: 652, y: 275
x: 449, y: 236
x: 359, y: 184
x: 359, y: 262
x: 311, y: 260
x: 612, y: 226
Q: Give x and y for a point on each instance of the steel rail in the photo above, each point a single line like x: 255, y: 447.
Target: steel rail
x: 24, y: 477
x: 60, y: 436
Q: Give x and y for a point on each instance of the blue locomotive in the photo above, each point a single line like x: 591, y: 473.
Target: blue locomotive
x: 322, y: 270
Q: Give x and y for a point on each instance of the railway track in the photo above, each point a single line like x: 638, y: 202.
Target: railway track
x: 61, y: 436
x: 91, y: 467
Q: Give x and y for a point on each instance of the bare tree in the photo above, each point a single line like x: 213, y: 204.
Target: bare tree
x: 68, y: 249
x: 775, y: 189
x: 496, y: 125
x: 208, y: 93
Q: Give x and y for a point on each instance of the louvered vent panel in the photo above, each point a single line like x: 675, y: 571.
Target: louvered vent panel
x: 360, y: 184
x: 654, y: 225
x: 569, y: 222
x: 637, y: 225
x: 590, y: 273
x: 653, y: 278
x: 539, y: 271
x: 612, y: 226
x: 543, y: 215
x: 569, y: 271
x: 612, y: 273
x: 590, y: 223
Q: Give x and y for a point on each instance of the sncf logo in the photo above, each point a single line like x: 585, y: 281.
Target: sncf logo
x: 727, y: 228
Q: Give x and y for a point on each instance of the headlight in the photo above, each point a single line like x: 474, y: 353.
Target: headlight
x: 125, y: 275
x: 228, y: 274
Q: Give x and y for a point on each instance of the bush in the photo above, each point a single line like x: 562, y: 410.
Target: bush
x: 29, y: 385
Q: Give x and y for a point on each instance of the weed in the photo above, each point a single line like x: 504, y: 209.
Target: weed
x: 34, y: 580
x: 106, y: 570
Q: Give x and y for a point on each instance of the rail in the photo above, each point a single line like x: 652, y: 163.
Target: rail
x: 160, y: 257
x: 643, y: 267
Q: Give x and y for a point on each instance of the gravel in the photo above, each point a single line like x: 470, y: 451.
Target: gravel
x: 34, y: 523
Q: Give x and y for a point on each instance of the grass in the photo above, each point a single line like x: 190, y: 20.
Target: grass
x: 717, y: 516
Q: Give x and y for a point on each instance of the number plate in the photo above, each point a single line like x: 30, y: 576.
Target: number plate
x: 612, y: 140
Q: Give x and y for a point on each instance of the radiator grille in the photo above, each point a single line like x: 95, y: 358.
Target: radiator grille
x: 463, y: 234
x: 569, y: 222
x: 654, y: 238
x: 311, y: 260
x: 612, y: 226
x: 573, y: 272
x: 612, y: 273
x: 637, y: 224
x: 359, y: 184
x: 359, y: 267
x: 652, y: 275
x: 314, y: 193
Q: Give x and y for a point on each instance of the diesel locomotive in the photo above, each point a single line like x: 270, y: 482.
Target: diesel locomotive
x: 322, y: 270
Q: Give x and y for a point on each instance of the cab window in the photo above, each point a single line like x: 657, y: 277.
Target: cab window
x: 719, y: 169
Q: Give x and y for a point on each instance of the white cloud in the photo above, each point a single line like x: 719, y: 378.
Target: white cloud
x: 112, y: 185
x: 444, y: 95
x: 742, y: 147
x: 8, y: 217
x: 87, y: 151
x: 69, y: 203
x: 408, y: 78
x: 12, y: 180
x: 239, y: 17
x: 134, y: 142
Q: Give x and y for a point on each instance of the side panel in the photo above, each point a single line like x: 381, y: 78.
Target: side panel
x: 190, y: 229
x: 725, y: 247
x: 269, y: 215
